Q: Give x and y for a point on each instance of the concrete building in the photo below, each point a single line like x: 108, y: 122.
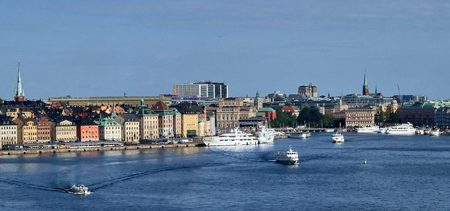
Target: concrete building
x: 308, y: 91
x: 421, y: 114
x: 8, y: 131
x: 109, y: 129
x: 360, y: 117
x: 201, y: 89
x: 65, y: 131
x: 442, y: 118
x: 190, y: 127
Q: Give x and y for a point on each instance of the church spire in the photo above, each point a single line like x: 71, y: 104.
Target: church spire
x: 365, y: 85
x: 20, y: 96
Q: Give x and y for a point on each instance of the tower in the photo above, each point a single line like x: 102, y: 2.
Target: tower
x: 365, y: 91
x: 258, y: 101
x: 20, y: 96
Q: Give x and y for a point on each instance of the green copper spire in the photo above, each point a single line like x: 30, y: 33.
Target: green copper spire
x: 19, y: 82
x: 365, y: 79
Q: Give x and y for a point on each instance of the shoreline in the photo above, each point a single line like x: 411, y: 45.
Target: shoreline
x: 97, y: 149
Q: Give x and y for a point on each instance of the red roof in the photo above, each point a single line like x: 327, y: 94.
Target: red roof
x: 292, y: 109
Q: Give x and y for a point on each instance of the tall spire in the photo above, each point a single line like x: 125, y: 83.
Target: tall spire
x: 365, y: 85
x: 20, y: 96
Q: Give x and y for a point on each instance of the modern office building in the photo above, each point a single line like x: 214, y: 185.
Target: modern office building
x: 201, y: 89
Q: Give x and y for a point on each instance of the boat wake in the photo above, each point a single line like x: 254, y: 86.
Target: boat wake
x: 32, y: 186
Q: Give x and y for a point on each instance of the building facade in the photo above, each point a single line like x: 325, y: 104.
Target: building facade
x: 308, y: 91
x: 65, y: 131
x: 360, y: 117
x: 88, y: 131
x: 29, y: 132
x: 8, y: 131
x: 109, y: 129
x: 44, y: 130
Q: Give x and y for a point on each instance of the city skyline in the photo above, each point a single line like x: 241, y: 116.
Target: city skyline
x: 140, y: 48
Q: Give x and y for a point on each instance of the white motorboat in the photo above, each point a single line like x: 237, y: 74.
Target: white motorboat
x: 402, y: 129
x: 420, y: 131
x: 265, y: 135
x: 233, y: 138
x: 302, y: 135
x: 372, y: 129
x: 289, y: 157
x: 338, y: 138
x: 435, y: 132
x: 79, y: 190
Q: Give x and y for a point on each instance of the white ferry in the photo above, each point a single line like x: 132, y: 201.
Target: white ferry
x: 338, y: 138
x: 289, y: 157
x: 233, y: 138
x: 372, y: 129
x: 402, y: 129
x: 265, y: 135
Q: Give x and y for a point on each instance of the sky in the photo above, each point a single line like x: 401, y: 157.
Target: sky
x: 143, y: 47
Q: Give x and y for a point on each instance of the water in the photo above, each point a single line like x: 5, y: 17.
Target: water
x: 402, y: 173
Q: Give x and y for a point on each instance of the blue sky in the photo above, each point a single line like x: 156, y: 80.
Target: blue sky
x: 103, y: 48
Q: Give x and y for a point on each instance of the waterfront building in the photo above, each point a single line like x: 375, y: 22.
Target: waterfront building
x: 108, y: 101
x: 149, y: 123
x: 354, y: 100
x: 130, y: 127
x: 29, y: 132
x: 254, y: 122
x: 442, y: 117
x: 308, y: 91
x: 421, y: 114
x: 360, y: 117
x: 65, y: 131
x: 8, y: 131
x: 190, y: 125
x: 165, y: 119
x: 230, y: 111
x: 177, y: 123
x: 44, y: 130
x: 87, y: 130
x: 109, y: 129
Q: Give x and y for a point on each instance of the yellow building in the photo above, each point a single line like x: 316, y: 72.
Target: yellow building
x: 65, y: 131
x: 29, y: 132
x: 177, y: 124
x: 14, y: 113
x: 189, y: 125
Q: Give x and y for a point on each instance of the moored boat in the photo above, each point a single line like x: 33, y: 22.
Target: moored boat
x: 402, y: 129
x: 265, y: 135
x: 233, y: 138
x: 302, y: 135
x: 371, y: 129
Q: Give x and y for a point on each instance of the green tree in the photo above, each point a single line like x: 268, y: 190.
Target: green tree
x: 311, y: 116
x: 283, y: 119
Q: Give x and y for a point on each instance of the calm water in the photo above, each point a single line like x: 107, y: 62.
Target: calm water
x: 403, y: 173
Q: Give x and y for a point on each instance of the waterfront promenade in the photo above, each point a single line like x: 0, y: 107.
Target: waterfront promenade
x: 98, y: 148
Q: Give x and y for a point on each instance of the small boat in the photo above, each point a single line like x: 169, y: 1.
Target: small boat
x: 435, y: 132
x: 372, y: 129
x: 420, y: 131
x: 79, y: 190
x: 338, y: 138
x: 289, y: 157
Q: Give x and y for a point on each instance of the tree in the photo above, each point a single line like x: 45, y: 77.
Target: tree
x: 283, y: 119
x: 311, y: 116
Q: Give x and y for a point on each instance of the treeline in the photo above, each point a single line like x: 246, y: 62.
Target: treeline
x: 309, y: 116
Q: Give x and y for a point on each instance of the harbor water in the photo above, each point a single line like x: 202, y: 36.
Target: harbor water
x: 367, y: 172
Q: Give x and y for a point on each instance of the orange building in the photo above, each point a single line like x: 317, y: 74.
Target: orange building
x: 88, y: 132
x: 44, y: 127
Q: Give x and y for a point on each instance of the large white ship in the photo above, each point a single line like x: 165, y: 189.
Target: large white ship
x: 233, y: 138
x: 372, y: 129
x: 265, y: 135
x: 402, y: 129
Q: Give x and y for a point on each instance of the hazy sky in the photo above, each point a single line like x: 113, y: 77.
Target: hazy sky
x: 103, y: 48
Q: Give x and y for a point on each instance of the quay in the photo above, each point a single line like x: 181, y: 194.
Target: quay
x: 98, y: 149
